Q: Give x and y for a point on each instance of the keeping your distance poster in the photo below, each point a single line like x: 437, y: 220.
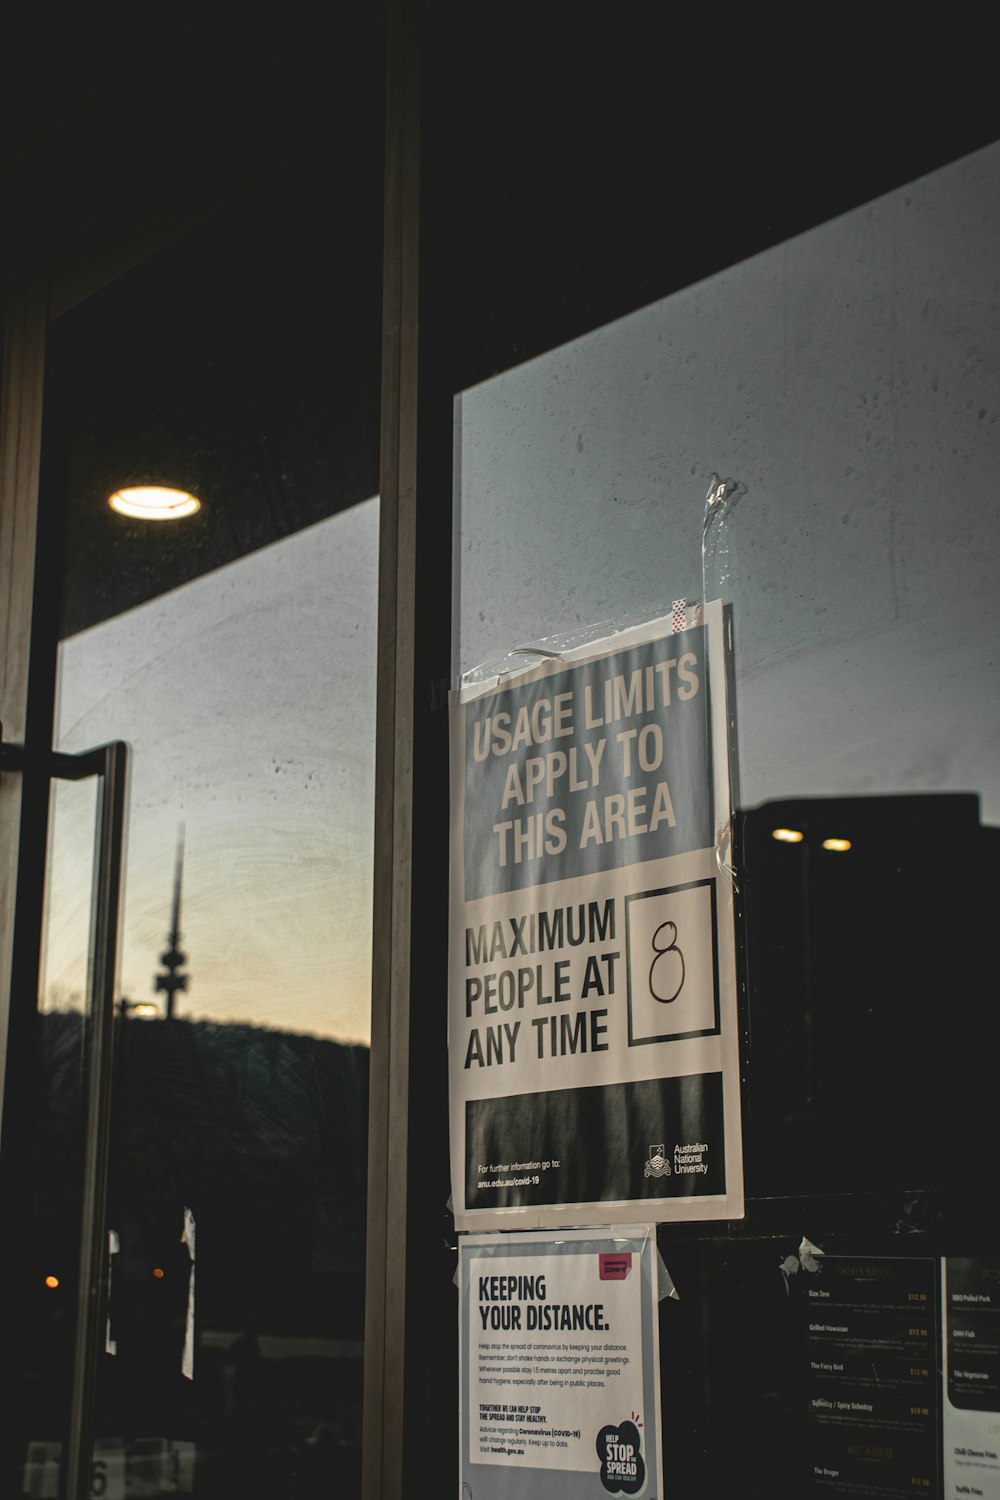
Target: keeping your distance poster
x: 593, y: 1045
x: 559, y: 1365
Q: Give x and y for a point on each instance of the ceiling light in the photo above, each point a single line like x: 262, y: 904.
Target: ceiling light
x: 787, y: 835
x: 837, y: 846
x: 153, y: 502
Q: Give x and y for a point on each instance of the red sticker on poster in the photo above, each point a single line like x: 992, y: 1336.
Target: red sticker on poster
x: 615, y: 1267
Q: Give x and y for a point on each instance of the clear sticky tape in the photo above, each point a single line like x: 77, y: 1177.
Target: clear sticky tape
x: 188, y: 1239
x: 114, y: 1247
x: 718, y: 552
x: 718, y: 572
x: 566, y: 645
x: 665, y: 1282
x: 808, y: 1260
x: 810, y: 1255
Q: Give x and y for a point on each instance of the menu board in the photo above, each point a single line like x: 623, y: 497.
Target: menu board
x: 872, y: 1379
x: 971, y: 1295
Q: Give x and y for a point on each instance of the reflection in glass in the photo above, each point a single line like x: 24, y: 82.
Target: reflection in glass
x: 56, y: 1180
x: 238, y: 1157
x: 248, y: 699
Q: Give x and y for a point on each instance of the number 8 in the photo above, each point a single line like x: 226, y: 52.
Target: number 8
x: 661, y: 950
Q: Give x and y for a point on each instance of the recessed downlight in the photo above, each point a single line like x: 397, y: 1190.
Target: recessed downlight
x: 154, y: 502
x: 837, y: 846
x: 787, y: 835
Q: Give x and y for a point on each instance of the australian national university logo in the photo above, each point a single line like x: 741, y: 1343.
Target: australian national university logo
x: 657, y: 1165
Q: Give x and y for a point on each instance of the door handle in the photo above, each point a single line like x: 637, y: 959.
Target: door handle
x: 109, y: 763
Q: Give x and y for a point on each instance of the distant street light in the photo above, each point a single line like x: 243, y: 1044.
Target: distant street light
x: 145, y: 1010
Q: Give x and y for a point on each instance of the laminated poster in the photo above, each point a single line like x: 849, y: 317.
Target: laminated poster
x: 593, y: 1044
x: 559, y: 1365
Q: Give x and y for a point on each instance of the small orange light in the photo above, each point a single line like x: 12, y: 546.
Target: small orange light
x: 158, y: 1273
x: 837, y: 846
x: 52, y: 1282
x: 787, y: 835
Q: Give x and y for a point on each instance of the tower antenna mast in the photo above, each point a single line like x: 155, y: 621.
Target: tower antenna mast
x: 170, y: 980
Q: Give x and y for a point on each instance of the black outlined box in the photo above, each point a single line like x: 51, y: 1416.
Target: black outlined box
x: 672, y: 961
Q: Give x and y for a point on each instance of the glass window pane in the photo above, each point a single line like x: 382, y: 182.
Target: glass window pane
x: 234, y: 650
x: 848, y: 377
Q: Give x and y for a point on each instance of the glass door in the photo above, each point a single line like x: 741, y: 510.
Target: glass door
x: 193, y: 1237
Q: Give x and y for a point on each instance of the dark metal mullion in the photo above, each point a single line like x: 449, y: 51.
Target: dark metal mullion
x: 103, y: 963
x: 385, y: 1300
x: 23, y: 820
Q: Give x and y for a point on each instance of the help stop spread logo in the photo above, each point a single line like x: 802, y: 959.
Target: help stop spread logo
x: 623, y: 1469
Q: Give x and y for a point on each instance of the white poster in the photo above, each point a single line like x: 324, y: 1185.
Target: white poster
x: 970, y: 1325
x: 593, y: 1046
x: 559, y: 1365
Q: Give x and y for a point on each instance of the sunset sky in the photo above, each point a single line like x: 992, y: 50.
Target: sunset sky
x: 248, y: 698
